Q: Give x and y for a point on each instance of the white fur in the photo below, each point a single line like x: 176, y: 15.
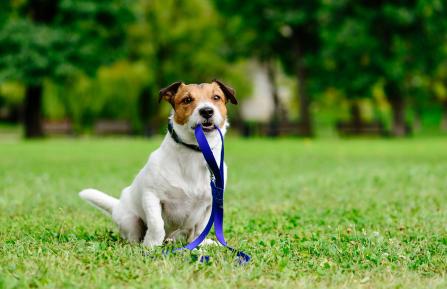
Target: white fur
x: 170, y: 198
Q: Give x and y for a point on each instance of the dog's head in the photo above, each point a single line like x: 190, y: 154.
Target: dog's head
x: 195, y: 104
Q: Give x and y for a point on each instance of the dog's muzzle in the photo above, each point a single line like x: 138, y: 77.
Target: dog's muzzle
x: 207, y: 113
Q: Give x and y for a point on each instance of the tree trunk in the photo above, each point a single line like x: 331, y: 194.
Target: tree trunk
x: 397, y: 103
x: 33, y: 111
x: 275, y: 118
x: 444, y: 116
x: 143, y: 110
x: 356, y: 117
x: 148, y: 111
x: 417, y: 121
x: 304, y: 101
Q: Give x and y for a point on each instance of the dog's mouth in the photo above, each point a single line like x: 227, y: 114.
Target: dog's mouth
x: 208, y: 126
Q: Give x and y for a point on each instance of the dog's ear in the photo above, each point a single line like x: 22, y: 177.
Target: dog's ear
x: 169, y: 92
x: 227, y: 90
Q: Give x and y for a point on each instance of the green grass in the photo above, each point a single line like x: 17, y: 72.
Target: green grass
x: 313, y: 214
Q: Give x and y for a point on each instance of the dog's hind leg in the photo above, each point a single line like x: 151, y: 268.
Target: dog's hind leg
x: 130, y: 225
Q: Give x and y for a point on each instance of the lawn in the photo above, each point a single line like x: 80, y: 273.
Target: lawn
x: 313, y: 214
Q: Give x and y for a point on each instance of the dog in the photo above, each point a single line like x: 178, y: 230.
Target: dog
x: 170, y: 198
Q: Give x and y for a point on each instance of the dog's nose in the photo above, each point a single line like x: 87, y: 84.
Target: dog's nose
x: 206, y: 112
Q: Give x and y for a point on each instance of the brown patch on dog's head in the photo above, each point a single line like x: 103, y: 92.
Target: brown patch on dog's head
x: 169, y: 92
x: 228, y: 91
x: 184, y: 98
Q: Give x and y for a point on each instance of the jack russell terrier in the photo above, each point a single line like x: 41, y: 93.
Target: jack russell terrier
x: 170, y: 198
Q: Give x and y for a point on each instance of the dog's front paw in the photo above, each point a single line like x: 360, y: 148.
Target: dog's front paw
x: 150, y: 242
x: 209, y: 242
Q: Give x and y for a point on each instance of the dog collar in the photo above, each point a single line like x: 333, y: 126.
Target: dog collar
x: 177, y: 139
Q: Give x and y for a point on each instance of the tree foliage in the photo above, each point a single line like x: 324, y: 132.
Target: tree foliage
x: 356, y: 47
x: 56, y: 39
x: 51, y: 39
x: 397, y: 43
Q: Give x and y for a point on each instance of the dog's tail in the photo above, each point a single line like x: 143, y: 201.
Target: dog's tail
x: 100, y: 200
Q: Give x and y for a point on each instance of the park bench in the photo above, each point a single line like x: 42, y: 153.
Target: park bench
x: 249, y: 129
x: 112, y: 127
x: 58, y: 127
x: 350, y: 128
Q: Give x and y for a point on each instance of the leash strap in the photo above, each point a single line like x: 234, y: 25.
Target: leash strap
x: 217, y: 189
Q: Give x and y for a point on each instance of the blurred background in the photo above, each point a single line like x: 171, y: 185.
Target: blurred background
x: 300, y: 68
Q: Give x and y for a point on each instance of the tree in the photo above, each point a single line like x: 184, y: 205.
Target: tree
x: 299, y: 46
x: 51, y: 39
x: 397, y: 40
x: 277, y: 30
x: 347, y: 52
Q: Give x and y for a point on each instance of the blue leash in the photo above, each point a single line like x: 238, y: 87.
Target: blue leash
x: 217, y: 190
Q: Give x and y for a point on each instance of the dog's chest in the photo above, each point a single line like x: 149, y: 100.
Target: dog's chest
x: 188, y: 191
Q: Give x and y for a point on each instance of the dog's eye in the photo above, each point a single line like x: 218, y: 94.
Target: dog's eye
x: 216, y: 97
x: 187, y: 100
